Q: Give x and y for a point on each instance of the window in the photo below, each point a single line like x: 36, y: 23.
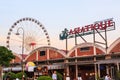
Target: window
x: 84, y: 48
x: 42, y: 53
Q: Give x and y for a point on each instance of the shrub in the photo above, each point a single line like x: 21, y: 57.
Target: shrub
x: 44, y: 78
x: 11, y: 74
x: 59, y: 76
x: 118, y: 74
x: 20, y: 74
x: 101, y: 79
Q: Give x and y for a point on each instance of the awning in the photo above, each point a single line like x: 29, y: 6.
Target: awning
x: 19, y: 68
x: 81, y: 63
x: 16, y: 68
x: 54, y: 66
x: 12, y: 69
x: 109, y: 61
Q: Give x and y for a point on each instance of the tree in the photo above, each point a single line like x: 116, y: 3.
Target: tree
x: 5, y: 57
x: 59, y: 76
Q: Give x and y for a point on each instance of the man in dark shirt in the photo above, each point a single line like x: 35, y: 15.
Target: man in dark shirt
x: 8, y: 77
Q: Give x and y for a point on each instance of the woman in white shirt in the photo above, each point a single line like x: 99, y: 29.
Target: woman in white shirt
x: 54, y: 75
x: 107, y: 77
x: 79, y: 76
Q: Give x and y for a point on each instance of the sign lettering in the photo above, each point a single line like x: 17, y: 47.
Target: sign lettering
x: 100, y: 26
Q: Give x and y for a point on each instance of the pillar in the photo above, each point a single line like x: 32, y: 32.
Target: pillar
x: 99, y: 70
x: 118, y: 66
x: 76, y: 66
x: 107, y: 69
x: 95, y: 65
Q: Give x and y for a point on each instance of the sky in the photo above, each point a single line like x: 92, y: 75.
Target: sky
x: 56, y: 15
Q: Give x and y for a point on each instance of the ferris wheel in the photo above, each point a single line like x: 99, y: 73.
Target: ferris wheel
x: 34, y: 33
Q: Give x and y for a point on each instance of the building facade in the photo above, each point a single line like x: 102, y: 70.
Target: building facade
x: 86, y: 59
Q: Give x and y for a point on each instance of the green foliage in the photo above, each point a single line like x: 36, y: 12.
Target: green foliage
x: 118, y: 74
x: 59, y: 76
x: 44, y: 78
x: 5, y: 56
x: 20, y: 74
x: 101, y: 79
x: 14, y: 76
x: 11, y: 74
x: 98, y: 78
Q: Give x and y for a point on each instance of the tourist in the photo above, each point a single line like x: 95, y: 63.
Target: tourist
x: 8, y: 77
x: 107, y: 77
x: 79, y: 77
x: 67, y: 77
x: 17, y: 78
x: 54, y: 75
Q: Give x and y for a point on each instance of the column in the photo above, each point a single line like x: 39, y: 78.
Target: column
x: 95, y: 65
x: 36, y: 55
x: 76, y: 67
x: 67, y: 68
x: 107, y: 69
x: 48, y: 54
x: 118, y: 66
x: 99, y: 70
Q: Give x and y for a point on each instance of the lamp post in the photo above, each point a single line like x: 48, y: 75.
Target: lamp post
x: 22, y: 64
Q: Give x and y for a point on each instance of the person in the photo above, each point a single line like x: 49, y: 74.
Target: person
x: 79, y: 77
x: 54, y: 75
x: 17, y: 78
x: 107, y: 77
x: 8, y: 77
x: 67, y: 77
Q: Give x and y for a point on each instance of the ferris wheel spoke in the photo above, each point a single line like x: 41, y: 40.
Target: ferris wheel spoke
x: 40, y: 36
x: 35, y: 34
x: 16, y: 40
x: 40, y: 40
x: 17, y: 36
x: 41, y: 44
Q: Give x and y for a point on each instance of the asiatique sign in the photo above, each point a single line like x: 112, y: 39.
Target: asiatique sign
x: 100, y: 26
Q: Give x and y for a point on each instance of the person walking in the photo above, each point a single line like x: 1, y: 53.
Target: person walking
x: 107, y: 77
x: 54, y: 75
x: 79, y: 76
x: 8, y: 77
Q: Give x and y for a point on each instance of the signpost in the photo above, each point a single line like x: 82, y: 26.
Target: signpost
x: 100, y: 26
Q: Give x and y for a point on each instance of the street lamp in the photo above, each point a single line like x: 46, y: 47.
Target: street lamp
x: 18, y: 33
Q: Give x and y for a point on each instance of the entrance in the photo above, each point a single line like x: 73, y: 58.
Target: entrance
x: 86, y: 71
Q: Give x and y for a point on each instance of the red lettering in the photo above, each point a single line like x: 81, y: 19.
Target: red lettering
x: 105, y: 24
x: 71, y: 32
x: 91, y: 27
x: 77, y: 30
x: 82, y: 29
x: 100, y: 25
x: 96, y: 26
x: 87, y: 28
x: 110, y: 23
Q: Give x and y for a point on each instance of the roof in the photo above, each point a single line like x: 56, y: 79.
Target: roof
x: 24, y: 55
x: 64, y: 51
